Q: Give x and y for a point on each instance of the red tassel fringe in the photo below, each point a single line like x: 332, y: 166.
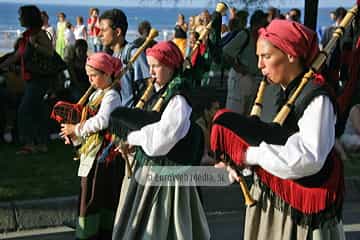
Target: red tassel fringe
x: 304, y: 199
x: 224, y: 140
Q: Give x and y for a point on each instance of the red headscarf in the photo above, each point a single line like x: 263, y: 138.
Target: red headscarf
x: 104, y: 62
x: 292, y: 38
x: 167, y: 53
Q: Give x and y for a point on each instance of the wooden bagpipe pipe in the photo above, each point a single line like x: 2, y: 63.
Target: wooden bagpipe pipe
x: 213, y: 26
x: 65, y: 112
x: 232, y: 133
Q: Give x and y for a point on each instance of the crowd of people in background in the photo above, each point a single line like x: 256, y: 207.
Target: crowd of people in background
x: 240, y: 75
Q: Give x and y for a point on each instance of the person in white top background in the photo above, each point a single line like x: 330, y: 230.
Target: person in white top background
x: 47, y: 27
x: 80, y: 29
x: 69, y: 35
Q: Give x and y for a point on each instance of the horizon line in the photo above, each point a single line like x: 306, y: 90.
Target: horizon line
x: 149, y: 6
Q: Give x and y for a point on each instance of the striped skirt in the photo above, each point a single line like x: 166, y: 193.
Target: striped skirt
x: 267, y: 222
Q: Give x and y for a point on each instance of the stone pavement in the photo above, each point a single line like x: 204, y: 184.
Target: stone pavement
x: 43, y: 219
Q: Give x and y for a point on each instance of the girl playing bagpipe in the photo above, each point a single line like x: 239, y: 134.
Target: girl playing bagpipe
x: 101, y: 173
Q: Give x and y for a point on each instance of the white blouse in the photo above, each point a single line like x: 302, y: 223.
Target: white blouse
x: 79, y: 31
x: 100, y: 121
x: 305, y: 152
x: 157, y: 139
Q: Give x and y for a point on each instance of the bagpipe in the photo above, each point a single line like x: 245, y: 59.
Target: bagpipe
x: 125, y: 120
x: 65, y: 112
x: 232, y: 133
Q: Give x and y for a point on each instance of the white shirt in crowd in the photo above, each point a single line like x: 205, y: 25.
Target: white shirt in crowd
x: 69, y: 37
x: 80, y: 31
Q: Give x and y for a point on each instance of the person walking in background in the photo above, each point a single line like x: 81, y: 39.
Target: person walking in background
x: 101, y: 175
x: 32, y: 121
x: 144, y: 30
x: 339, y: 13
x: 47, y: 27
x: 113, y: 28
x: 94, y: 30
x: 244, y: 76
x: 191, y: 25
x: 60, y: 34
x: 180, y: 35
x: 80, y: 31
x: 69, y: 35
x: 76, y: 64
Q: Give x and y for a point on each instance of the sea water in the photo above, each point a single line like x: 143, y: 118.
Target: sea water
x: 163, y: 19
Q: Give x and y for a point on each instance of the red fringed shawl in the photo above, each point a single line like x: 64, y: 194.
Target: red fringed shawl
x: 307, y: 200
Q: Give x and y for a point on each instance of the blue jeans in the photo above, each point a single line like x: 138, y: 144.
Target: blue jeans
x: 32, y: 118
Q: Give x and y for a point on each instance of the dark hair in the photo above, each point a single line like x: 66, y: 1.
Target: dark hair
x: 118, y: 19
x: 298, y: 14
x: 205, y: 98
x: 340, y: 13
x: 80, y: 18
x: 31, y: 16
x: 68, y: 24
x: 258, y: 18
x: 81, y: 43
x: 144, y: 28
x: 61, y: 14
x: 93, y: 9
x: 81, y: 46
x: 242, y: 14
x: 44, y: 14
x: 273, y: 12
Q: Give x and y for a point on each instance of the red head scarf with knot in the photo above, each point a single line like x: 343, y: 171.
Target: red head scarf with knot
x: 292, y: 38
x: 167, y: 53
x: 105, y: 63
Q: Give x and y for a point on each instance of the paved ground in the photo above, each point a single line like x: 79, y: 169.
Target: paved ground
x: 42, y: 219
x: 224, y: 226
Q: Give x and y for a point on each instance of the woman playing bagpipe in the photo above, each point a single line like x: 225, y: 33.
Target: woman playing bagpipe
x: 101, y: 176
x: 298, y: 183
x: 164, y: 209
